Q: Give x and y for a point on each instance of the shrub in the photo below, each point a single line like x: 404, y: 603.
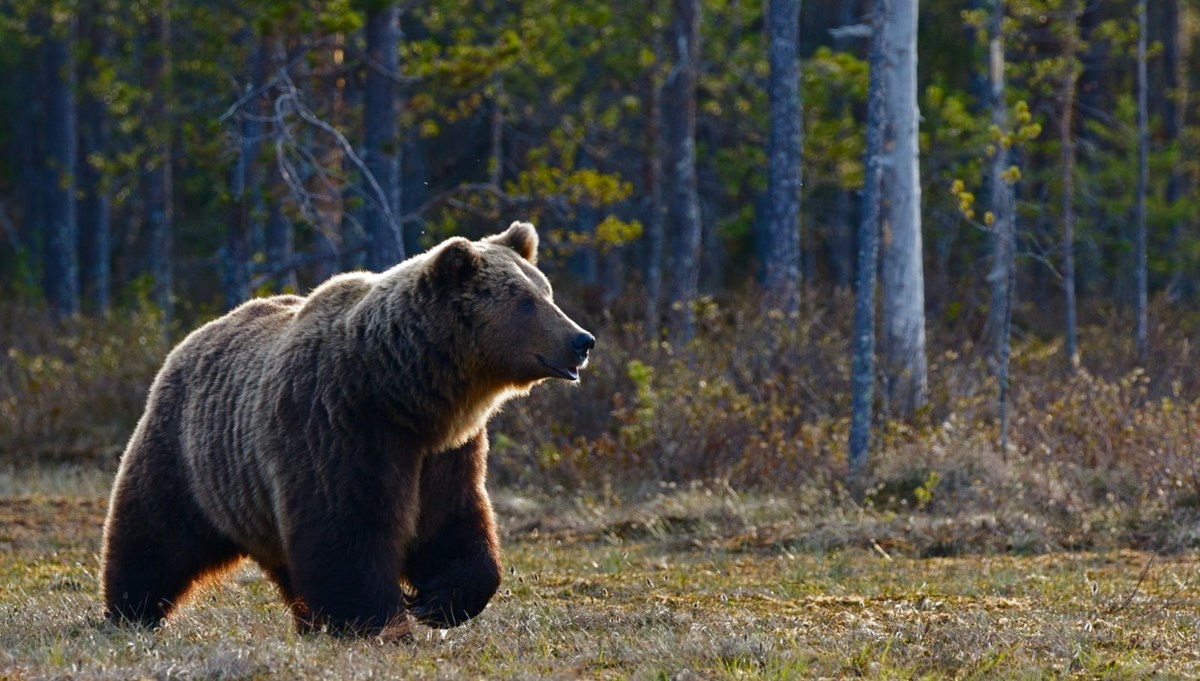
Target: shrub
x: 74, y: 388
x: 757, y: 402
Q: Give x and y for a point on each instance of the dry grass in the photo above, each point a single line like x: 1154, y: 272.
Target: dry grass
x: 680, y: 515
x: 1104, y: 458
x: 692, y: 582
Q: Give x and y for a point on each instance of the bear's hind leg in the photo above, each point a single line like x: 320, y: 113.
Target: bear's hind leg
x: 156, y: 545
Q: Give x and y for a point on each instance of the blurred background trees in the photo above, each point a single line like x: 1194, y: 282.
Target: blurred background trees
x: 187, y: 155
x: 156, y: 142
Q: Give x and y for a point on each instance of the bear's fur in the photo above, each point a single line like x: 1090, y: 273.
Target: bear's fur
x: 339, y: 441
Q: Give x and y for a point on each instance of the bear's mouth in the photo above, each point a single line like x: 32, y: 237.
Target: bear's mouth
x: 570, y: 373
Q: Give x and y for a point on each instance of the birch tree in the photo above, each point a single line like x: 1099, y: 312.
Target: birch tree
x: 1004, y: 228
x: 683, y: 205
x: 903, y: 279
x: 1001, y: 194
x: 1067, y: 170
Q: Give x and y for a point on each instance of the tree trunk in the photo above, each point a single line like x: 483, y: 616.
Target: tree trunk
x: 1174, y: 107
x: 280, y: 239
x: 242, y: 185
x: 863, y: 361
x: 1003, y: 232
x: 902, y: 268
x: 280, y: 233
x: 340, y: 233
x: 1140, y: 340
x: 416, y: 177
x: 31, y: 147
x: 979, y: 79
x: 841, y: 241
x: 157, y: 167
x: 1004, y: 229
x: 683, y: 216
x: 653, y: 182
x: 382, y: 147
x: 584, y: 261
x: 783, y: 150
x: 496, y: 130
x: 612, y: 277
x: 61, y: 265
x: 95, y: 220
x: 1067, y: 168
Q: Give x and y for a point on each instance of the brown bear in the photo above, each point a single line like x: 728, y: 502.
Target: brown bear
x: 339, y: 440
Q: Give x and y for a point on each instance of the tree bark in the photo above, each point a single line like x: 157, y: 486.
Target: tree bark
x: 1140, y: 333
x: 382, y: 147
x: 863, y: 361
x: 783, y: 150
x: 1175, y: 101
x: 157, y: 168
x: 1067, y: 169
x: 242, y: 185
x: 902, y: 268
x: 1004, y: 229
x: 341, y: 219
x: 653, y: 181
x: 1001, y: 194
x: 683, y: 215
x: 280, y: 242
x: 31, y: 148
x: 61, y: 259
x: 95, y: 219
x: 496, y: 130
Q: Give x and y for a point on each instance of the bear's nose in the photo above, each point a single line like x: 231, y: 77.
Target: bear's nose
x: 582, y: 343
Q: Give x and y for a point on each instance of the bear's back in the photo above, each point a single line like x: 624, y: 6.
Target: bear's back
x: 216, y: 374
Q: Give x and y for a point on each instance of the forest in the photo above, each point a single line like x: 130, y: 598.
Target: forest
x: 871, y: 280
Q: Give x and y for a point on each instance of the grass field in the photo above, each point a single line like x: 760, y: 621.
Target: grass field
x: 689, y: 584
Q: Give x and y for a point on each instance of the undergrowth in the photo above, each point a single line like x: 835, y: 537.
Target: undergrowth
x: 1102, y: 456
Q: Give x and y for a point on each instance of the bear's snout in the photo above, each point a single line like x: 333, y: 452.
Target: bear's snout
x: 582, y: 344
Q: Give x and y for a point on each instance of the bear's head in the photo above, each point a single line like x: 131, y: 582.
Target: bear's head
x: 517, y: 333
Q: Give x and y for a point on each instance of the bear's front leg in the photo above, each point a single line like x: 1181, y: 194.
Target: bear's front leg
x: 454, y: 565
x: 343, y: 548
x: 347, y: 585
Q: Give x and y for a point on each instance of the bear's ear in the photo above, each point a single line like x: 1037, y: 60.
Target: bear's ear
x: 456, y: 262
x: 521, y: 237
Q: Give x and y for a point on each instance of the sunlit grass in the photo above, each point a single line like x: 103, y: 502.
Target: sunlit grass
x: 668, y: 587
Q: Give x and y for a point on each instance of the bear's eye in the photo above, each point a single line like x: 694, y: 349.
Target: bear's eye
x: 527, y: 305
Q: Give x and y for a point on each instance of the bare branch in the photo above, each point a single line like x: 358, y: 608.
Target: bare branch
x: 260, y: 90
x: 851, y: 31
x: 292, y: 95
